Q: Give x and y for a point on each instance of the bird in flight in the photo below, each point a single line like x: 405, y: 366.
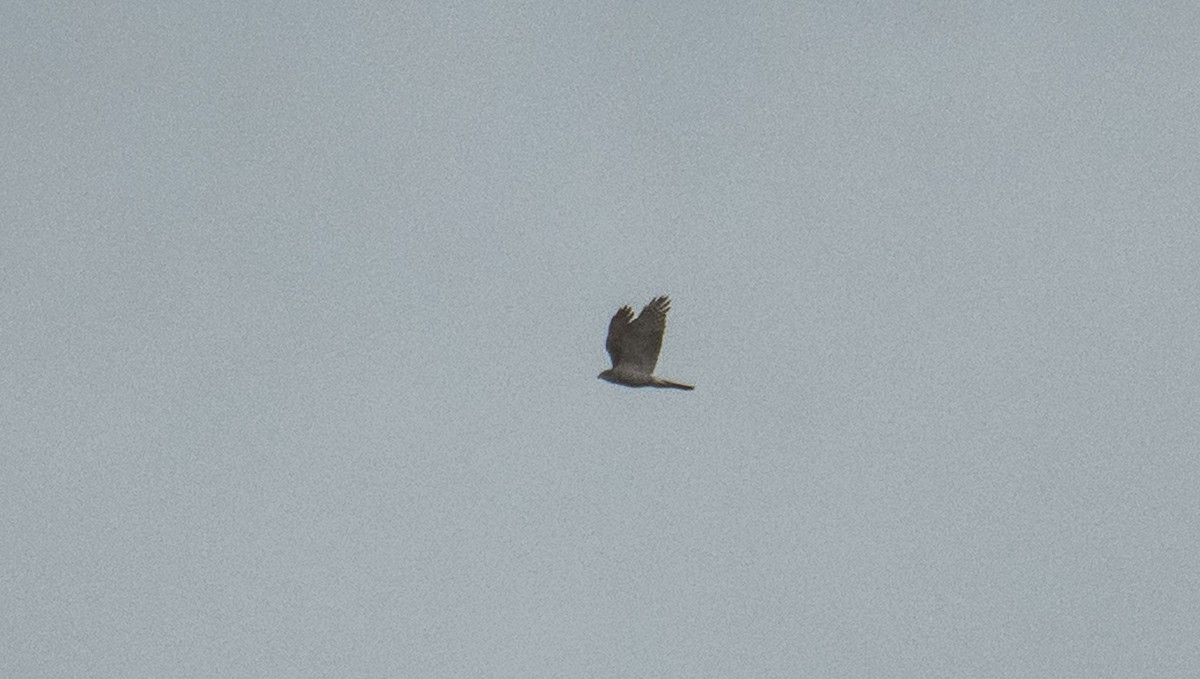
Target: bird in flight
x: 634, y: 343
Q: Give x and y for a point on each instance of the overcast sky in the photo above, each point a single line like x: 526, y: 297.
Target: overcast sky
x: 303, y: 306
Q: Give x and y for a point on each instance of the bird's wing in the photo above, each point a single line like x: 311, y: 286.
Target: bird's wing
x: 641, y: 339
x: 616, y: 331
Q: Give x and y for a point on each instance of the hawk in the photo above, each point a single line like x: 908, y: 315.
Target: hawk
x: 634, y: 343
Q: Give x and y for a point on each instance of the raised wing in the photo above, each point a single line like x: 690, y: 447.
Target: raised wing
x: 616, y: 330
x: 634, y: 344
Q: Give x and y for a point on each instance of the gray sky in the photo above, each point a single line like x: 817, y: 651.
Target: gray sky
x: 303, y: 307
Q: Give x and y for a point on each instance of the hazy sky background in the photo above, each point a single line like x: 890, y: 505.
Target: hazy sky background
x: 303, y: 306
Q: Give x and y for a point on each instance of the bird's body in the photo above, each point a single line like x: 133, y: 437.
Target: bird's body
x: 634, y: 344
x: 634, y: 379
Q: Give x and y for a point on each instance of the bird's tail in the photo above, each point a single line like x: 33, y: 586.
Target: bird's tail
x: 673, y: 385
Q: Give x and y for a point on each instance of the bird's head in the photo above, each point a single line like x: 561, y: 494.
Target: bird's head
x: 607, y: 376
